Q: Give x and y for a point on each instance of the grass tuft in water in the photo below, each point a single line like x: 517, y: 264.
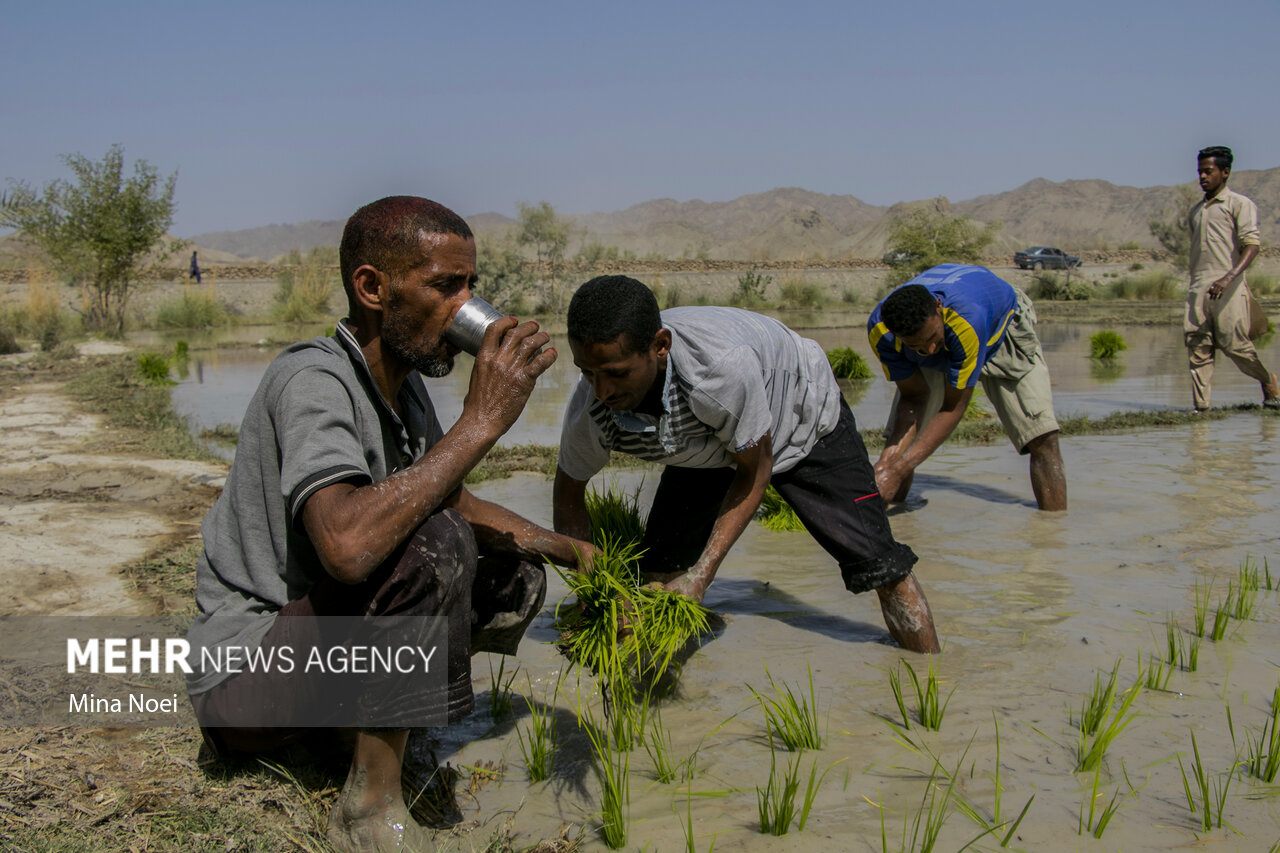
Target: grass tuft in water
x: 540, y: 748
x: 1094, y: 709
x: 613, y: 767
x: 776, y: 801
x: 1098, y: 827
x: 794, y: 720
x: 928, y: 709
x: 1210, y: 795
x: 1264, y: 753
x: 1203, y: 591
x: 1089, y: 752
x: 500, y: 690
x: 1155, y: 676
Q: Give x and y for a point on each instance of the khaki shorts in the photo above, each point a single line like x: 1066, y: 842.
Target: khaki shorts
x: 1015, y: 380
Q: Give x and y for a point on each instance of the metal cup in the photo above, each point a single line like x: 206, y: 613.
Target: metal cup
x: 466, y: 330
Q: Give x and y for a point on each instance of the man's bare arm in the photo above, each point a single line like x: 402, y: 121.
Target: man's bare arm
x: 910, y: 444
x: 755, y: 466
x: 569, y: 506
x: 355, y: 528
x: 499, y: 529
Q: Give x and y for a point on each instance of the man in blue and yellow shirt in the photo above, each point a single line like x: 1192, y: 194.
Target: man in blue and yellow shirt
x: 936, y: 336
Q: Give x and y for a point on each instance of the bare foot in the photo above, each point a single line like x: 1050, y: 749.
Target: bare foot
x: 382, y: 828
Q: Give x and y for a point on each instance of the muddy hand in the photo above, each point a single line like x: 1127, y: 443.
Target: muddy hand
x: 687, y: 585
x: 507, y: 366
x: 887, y: 481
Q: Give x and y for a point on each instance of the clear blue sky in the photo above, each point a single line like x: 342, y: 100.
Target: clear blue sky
x: 276, y: 112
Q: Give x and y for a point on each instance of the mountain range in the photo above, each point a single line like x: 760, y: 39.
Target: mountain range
x: 792, y: 223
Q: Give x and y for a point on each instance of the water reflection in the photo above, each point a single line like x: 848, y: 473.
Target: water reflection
x: 1150, y: 374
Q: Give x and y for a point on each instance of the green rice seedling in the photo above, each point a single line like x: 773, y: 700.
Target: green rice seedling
x: 1222, y: 615
x: 500, y: 690
x: 927, y: 822
x: 1202, y: 605
x: 811, y: 790
x: 848, y: 364
x: 539, y: 748
x: 658, y: 744
x: 1096, y: 829
x: 928, y: 709
x: 1249, y: 581
x: 776, y: 514
x: 1094, y: 709
x: 1211, y: 794
x: 995, y: 824
x: 776, y: 801
x: 1266, y: 568
x: 1264, y: 754
x: 604, y: 600
x: 663, y: 623
x: 1106, y: 344
x: 1089, y: 753
x: 613, y: 767
x: 615, y: 517
x: 793, y: 720
x: 1156, y: 674
x: 1184, y: 654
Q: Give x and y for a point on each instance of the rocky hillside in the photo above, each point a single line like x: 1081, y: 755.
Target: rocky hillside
x: 791, y: 223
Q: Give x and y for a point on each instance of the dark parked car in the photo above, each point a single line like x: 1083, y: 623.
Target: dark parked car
x: 1044, y: 257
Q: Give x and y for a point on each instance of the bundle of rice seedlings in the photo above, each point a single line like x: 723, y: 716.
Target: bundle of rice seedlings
x: 776, y: 514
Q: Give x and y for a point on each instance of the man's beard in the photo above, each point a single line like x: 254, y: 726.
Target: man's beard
x: 397, y: 338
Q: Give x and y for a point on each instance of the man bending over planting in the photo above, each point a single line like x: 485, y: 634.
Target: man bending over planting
x: 936, y: 336
x: 728, y: 401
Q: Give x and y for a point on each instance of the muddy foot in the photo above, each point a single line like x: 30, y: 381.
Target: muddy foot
x: 390, y: 830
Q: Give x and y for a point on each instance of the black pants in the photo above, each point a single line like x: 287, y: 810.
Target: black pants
x: 833, y: 491
x: 435, y: 585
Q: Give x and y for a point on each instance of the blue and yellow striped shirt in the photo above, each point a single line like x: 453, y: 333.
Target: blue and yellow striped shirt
x: 976, y: 309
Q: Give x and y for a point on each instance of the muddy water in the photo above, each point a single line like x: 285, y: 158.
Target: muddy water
x: 1029, y: 607
x: 1151, y: 374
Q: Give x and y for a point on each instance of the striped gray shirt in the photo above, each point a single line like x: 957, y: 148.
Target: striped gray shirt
x: 732, y: 376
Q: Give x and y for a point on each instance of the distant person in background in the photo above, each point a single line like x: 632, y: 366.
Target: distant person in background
x: 195, y: 268
x: 1224, y: 242
x: 936, y: 336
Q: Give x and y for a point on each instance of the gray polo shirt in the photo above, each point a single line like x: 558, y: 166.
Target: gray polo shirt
x: 732, y: 376
x: 316, y: 419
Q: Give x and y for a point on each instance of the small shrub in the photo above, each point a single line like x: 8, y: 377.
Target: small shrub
x: 1262, y: 284
x: 194, y: 310
x: 8, y: 343
x: 64, y: 351
x: 799, y: 293
x: 1153, y: 286
x: 153, y: 368
x: 752, y: 286
x: 1129, y: 246
x: 848, y: 296
x: 1051, y: 286
x: 304, y: 287
x: 847, y: 364
x: 1135, y: 266
x: 1106, y: 344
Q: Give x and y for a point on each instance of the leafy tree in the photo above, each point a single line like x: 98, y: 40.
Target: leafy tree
x: 924, y: 237
x: 1174, y: 233
x: 504, y: 277
x: 541, y: 227
x: 100, y: 230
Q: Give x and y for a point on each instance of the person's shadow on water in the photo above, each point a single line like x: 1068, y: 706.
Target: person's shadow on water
x: 990, y: 494
x: 741, y: 597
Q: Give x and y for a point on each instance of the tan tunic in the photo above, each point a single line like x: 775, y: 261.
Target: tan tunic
x: 1220, y: 228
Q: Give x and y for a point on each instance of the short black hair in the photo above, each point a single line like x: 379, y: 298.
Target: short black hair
x: 905, y: 310
x: 387, y: 235
x: 1220, y: 155
x: 613, y: 307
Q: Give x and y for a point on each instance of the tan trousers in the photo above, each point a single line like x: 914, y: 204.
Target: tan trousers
x: 1219, y: 324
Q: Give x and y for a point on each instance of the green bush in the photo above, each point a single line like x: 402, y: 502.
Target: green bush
x: 1130, y: 246
x: 752, y: 287
x: 303, y: 287
x: 1054, y: 287
x: 799, y: 293
x: 1262, y: 284
x: 8, y: 342
x: 1135, y: 266
x: 847, y: 364
x: 1106, y: 344
x: 1153, y: 286
x: 191, y: 311
x: 153, y: 368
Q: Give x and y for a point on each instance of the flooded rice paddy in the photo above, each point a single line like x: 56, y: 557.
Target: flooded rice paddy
x: 1030, y: 607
